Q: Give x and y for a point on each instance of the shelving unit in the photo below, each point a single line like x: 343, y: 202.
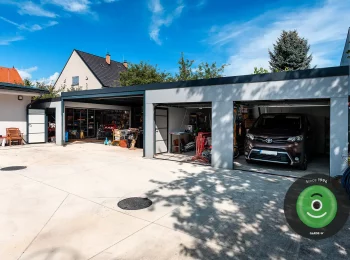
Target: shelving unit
x: 87, y: 121
x: 91, y: 123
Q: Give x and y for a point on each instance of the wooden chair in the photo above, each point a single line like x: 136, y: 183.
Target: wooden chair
x: 14, y: 134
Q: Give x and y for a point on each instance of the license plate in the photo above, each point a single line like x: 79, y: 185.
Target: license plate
x: 268, y: 152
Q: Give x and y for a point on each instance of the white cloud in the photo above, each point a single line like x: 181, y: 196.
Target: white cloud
x: 161, y: 18
x: 8, y: 40
x: 50, y: 80
x: 247, y: 44
x: 31, y: 28
x: 201, y: 3
x: 27, y: 73
x: 74, y: 6
x: 33, y: 9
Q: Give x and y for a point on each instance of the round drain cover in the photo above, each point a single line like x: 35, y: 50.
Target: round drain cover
x: 13, y: 168
x: 134, y: 203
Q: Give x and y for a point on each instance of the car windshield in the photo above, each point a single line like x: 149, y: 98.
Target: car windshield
x: 279, y: 122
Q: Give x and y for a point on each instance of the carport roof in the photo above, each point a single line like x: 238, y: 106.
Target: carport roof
x: 15, y: 87
x: 277, y: 76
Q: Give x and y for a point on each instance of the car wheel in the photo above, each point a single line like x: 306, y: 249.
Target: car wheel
x: 303, y: 166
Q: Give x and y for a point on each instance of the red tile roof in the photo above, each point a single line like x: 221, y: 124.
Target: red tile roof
x: 10, y: 75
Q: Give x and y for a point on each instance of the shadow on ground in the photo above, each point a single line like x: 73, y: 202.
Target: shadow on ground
x: 235, y: 215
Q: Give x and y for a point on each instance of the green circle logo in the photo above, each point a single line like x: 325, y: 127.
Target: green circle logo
x: 316, y: 206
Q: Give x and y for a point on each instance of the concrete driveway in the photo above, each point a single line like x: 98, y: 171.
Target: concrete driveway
x: 63, y: 206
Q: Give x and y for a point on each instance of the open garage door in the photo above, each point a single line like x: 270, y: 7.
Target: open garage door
x: 161, y: 130
x: 36, y: 126
x: 289, y: 138
x: 183, y: 132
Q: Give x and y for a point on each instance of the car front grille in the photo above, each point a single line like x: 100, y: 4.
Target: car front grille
x: 281, y: 157
x: 274, y: 140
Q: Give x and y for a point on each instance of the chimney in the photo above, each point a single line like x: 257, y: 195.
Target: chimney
x: 125, y: 63
x: 108, y: 58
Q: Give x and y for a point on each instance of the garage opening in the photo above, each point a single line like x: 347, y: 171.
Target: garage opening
x: 51, y: 125
x: 183, y: 132
x: 116, y: 121
x: 290, y: 138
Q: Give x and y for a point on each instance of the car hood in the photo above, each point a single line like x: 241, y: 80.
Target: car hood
x: 274, y: 132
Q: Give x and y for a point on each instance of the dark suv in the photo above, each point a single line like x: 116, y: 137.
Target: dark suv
x: 279, y: 138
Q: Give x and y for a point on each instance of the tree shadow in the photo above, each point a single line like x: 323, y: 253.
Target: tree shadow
x: 235, y: 215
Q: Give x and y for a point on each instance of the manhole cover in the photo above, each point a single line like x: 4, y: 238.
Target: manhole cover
x: 13, y: 168
x: 134, y: 203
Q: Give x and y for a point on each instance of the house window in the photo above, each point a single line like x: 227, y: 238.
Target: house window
x: 75, y: 81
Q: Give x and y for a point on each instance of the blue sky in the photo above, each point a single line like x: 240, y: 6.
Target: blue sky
x: 38, y: 36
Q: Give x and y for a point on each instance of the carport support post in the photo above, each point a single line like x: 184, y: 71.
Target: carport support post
x: 222, y: 134
x: 338, y: 135
x: 149, y: 130
x: 59, y: 123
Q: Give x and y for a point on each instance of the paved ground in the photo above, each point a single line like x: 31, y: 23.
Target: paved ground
x: 63, y: 206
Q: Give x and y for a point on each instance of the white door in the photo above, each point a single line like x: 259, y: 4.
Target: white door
x: 161, y: 129
x: 36, y: 126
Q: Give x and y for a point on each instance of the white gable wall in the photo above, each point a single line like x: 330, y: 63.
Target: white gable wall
x: 76, y: 67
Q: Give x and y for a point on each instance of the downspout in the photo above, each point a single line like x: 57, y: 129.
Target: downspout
x: 27, y: 110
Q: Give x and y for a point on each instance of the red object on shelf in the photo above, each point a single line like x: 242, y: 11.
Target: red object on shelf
x: 109, y: 127
x: 201, y: 144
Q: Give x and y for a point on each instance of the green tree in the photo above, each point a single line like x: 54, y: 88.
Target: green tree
x: 260, y: 70
x: 208, y: 71
x: 186, y: 72
x: 203, y: 71
x: 53, y: 92
x: 143, y: 73
x: 290, y: 52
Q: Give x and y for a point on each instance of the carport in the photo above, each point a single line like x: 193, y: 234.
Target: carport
x: 126, y: 108
x: 95, y: 109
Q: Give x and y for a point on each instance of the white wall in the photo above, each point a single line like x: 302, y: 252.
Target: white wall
x: 175, y: 119
x: 76, y: 67
x: 315, y: 88
x: 13, y: 113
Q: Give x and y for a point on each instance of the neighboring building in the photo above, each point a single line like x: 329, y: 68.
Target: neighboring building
x: 14, y: 101
x: 10, y: 75
x: 87, y: 71
x: 345, y: 57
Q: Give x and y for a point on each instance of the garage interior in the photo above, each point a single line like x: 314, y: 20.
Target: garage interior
x: 318, y: 114
x: 51, y: 127
x: 94, y: 120
x: 183, y: 132
x: 99, y: 125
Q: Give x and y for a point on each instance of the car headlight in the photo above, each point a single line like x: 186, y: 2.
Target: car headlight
x: 250, y: 136
x: 298, y: 138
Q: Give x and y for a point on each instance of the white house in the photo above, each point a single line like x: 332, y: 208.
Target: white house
x: 14, y: 101
x: 88, y: 71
